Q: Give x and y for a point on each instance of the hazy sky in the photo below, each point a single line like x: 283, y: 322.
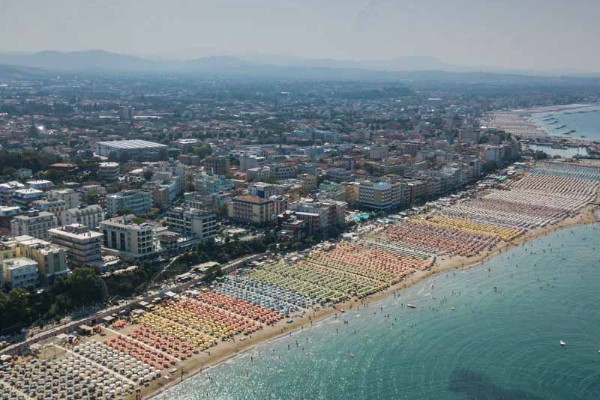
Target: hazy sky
x: 540, y: 34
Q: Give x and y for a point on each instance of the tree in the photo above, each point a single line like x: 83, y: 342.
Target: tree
x: 86, y: 287
x: 203, y: 151
x: 213, y: 273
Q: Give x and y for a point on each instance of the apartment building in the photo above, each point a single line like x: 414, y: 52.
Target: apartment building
x: 89, y: 216
x: 250, y: 209
x: 127, y: 239
x: 51, y: 260
x: 71, y: 198
x: 83, y: 246
x: 384, y: 196
x: 194, y: 222
x: 33, y: 223
x: 108, y: 171
x: 20, y: 272
x: 138, y: 202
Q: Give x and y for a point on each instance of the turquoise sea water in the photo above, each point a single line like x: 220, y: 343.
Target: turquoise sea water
x: 585, y: 121
x: 490, y: 332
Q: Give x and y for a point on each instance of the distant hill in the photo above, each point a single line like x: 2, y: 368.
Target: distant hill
x: 259, y: 66
x: 11, y: 72
x: 77, y: 61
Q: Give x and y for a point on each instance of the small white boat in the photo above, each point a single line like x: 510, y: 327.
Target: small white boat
x: 411, y: 305
x: 562, y: 343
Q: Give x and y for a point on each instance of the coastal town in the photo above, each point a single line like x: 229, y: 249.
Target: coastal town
x: 147, y: 235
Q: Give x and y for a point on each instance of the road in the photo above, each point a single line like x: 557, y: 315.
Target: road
x: 17, y: 348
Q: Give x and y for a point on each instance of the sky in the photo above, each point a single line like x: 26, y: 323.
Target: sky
x: 517, y: 34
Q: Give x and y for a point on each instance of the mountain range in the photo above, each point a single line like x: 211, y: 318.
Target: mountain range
x: 264, y: 65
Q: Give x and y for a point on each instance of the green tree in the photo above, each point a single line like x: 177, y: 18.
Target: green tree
x: 213, y: 273
x: 203, y: 150
x: 86, y: 287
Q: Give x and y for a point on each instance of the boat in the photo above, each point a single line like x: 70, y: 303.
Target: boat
x: 562, y: 343
x: 411, y: 305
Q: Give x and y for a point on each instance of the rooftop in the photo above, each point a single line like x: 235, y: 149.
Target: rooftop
x: 251, y: 199
x: 19, y: 262
x: 132, y: 144
x: 75, y: 231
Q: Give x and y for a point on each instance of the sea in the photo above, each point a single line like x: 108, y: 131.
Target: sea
x: 584, y: 121
x: 490, y: 332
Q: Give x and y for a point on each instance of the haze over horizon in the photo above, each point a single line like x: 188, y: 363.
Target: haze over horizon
x: 538, y: 35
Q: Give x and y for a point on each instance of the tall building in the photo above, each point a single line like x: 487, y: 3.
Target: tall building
x: 71, y: 198
x: 128, y: 239
x: 83, y: 246
x: 198, y: 223
x: 126, y: 113
x: 138, y: 202
x: 249, y: 209
x: 33, y: 223
x: 20, y: 272
x: 108, y: 171
x: 89, y: 216
x: 216, y: 165
x: 384, y: 196
x: 322, y: 217
x: 51, y: 260
x: 24, y: 197
x: 6, y: 192
x: 54, y: 206
x: 92, y: 194
x: 207, y: 184
x: 283, y: 171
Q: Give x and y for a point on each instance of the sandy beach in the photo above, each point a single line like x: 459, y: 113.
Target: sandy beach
x: 227, y: 350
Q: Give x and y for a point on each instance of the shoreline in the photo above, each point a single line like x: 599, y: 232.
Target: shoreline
x: 519, y: 122
x: 585, y: 216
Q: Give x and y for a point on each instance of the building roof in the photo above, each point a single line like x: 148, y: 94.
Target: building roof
x: 18, y: 262
x: 132, y: 144
x: 75, y: 231
x: 251, y: 199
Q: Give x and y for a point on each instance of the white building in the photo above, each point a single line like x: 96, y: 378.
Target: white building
x: 6, y: 192
x: 138, y: 202
x: 51, y: 259
x: 198, y: 223
x: 41, y: 184
x: 20, y: 272
x: 127, y: 239
x: 54, y: 206
x: 83, y: 246
x: 34, y: 223
x: 383, y: 195
x: 89, y: 216
x: 108, y: 171
x: 71, y: 198
x: 130, y: 148
x: 24, y: 197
